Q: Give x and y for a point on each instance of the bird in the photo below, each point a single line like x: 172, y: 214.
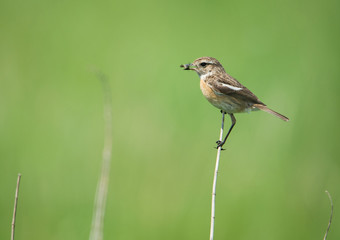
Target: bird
x: 225, y: 92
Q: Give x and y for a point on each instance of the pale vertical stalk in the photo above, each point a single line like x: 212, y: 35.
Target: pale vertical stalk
x: 15, y: 206
x: 103, y: 182
x: 330, y: 218
x: 213, y: 198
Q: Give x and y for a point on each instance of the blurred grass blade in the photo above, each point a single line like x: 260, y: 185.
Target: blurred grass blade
x: 15, y: 206
x: 103, y: 182
x: 331, y: 216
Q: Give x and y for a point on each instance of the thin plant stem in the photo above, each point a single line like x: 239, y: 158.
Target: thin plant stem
x: 15, y: 206
x: 103, y: 182
x: 330, y: 218
x: 213, y: 198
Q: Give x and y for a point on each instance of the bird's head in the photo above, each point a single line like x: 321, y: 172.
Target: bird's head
x: 205, y: 66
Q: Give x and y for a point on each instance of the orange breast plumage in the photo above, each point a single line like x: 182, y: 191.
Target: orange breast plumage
x: 226, y: 103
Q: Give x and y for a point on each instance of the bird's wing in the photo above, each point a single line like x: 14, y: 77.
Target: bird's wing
x: 228, y: 85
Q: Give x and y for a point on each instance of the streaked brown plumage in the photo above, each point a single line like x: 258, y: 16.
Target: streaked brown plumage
x: 225, y: 92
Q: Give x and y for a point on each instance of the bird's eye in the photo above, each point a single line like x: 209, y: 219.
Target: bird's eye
x: 203, y: 64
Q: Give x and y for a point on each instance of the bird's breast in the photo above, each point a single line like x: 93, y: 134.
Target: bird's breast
x: 207, y: 91
x: 221, y: 101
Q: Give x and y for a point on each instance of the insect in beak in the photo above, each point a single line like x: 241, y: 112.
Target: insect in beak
x: 187, y: 66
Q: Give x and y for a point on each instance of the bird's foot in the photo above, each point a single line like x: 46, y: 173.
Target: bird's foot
x: 220, y: 144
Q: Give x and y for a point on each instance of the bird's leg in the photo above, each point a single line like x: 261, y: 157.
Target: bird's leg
x: 233, y: 122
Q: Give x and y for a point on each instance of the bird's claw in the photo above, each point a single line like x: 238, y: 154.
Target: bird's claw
x: 220, y: 144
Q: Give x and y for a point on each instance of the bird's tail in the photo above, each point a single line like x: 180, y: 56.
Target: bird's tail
x: 268, y: 110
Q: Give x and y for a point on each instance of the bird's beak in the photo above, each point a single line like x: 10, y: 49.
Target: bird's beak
x: 189, y: 66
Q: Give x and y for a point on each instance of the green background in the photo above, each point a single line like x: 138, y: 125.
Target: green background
x: 273, y: 175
